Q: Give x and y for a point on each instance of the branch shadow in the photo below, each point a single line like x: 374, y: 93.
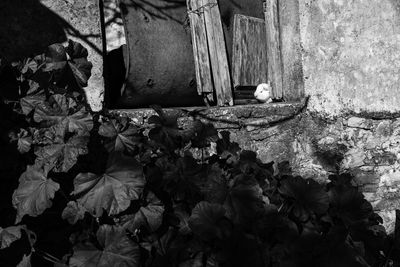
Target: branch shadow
x: 155, y: 11
x: 27, y: 27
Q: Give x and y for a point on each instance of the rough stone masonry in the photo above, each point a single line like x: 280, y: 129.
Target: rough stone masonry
x: 349, y: 56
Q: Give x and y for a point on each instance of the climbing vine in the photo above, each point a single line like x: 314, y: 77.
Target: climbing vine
x: 83, y: 188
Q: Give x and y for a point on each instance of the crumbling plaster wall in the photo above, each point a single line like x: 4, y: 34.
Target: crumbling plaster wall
x: 351, y: 54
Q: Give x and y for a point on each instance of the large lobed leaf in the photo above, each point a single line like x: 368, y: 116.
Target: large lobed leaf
x: 121, y: 135
x: 245, y: 202
x: 35, y: 96
x: 34, y: 193
x: 149, y: 215
x: 307, y: 195
x: 349, y: 204
x: 60, y: 109
x: 9, y: 235
x: 207, y: 220
x: 22, y: 139
x: 73, y: 212
x: 61, y: 156
x: 112, y: 191
x: 69, y: 61
x: 26, y: 261
x: 116, y: 250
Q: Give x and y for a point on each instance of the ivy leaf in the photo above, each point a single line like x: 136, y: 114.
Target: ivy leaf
x: 9, y: 235
x: 56, y: 57
x: 226, y: 149
x: 34, y: 193
x: 112, y: 191
x: 169, y: 120
x: 48, y: 136
x: 180, y: 179
x: 204, y: 134
x: 196, y: 262
x: 121, y: 135
x: 116, y: 250
x: 245, y: 203
x: 73, y: 212
x: 70, y: 60
x: 35, y: 96
x: 215, y: 186
x: 349, y: 204
x: 27, y: 67
x: 78, y: 63
x: 150, y: 215
x: 61, y: 109
x: 26, y: 261
x: 30, y: 66
x: 307, y: 196
x: 24, y: 141
x: 61, y: 156
x: 207, y: 219
x: 183, y: 216
x: 164, y: 134
x: 166, y: 131
x: 250, y: 165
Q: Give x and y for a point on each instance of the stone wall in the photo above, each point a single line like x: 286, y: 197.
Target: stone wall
x: 367, y: 148
x: 351, y: 62
x: 350, y: 53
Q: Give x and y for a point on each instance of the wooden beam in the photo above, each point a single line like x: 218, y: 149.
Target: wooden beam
x: 289, y: 23
x: 200, y: 49
x: 217, y: 52
x: 274, y: 48
x: 249, y: 53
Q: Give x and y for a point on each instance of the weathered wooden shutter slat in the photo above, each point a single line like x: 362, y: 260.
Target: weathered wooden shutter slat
x: 249, y: 53
x: 200, y: 49
x: 217, y: 52
x: 274, y: 51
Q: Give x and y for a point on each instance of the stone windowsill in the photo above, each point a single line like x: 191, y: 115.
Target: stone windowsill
x: 254, y: 115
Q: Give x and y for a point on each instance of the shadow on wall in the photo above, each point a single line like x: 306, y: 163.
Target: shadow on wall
x: 27, y: 27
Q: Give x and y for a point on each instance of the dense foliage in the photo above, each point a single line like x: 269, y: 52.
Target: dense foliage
x: 81, y: 188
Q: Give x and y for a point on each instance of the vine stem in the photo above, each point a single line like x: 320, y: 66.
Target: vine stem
x: 280, y: 208
x: 49, y: 257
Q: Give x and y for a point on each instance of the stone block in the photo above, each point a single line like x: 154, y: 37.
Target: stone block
x: 356, y: 122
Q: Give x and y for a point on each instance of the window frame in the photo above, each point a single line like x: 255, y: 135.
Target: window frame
x: 296, y: 94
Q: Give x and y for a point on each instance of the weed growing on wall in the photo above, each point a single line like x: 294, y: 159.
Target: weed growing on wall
x: 81, y: 188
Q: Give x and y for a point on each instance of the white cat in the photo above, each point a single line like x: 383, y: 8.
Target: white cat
x: 263, y: 92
